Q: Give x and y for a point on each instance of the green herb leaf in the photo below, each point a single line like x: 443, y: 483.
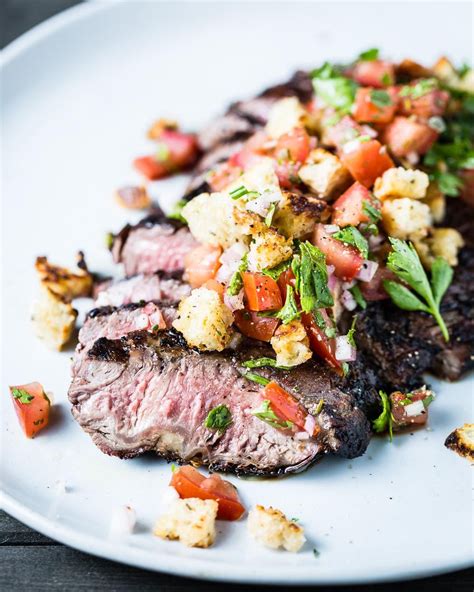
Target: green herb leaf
x: 266, y: 414
x: 355, y: 291
x: 264, y: 362
x: 162, y: 153
x: 22, y: 395
x: 270, y: 214
x: 275, y: 272
x: 405, y: 263
x: 109, y: 240
x: 319, y: 407
x: 380, y: 98
x: 369, y: 55
x: 386, y: 79
x: 176, y: 211
x: 290, y: 311
x: 352, y: 236
x: 384, y: 421
x: 312, y: 278
x: 256, y: 378
x: 448, y: 183
x: 236, y: 283
x: 441, y: 278
x: 373, y: 213
x: 219, y: 419
x: 333, y: 88
x: 419, y: 89
x: 238, y: 192
x: 350, y: 333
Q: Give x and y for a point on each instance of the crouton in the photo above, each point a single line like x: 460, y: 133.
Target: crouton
x: 445, y: 71
x: 400, y: 182
x: 436, y: 202
x: 53, y: 318
x: 405, y: 218
x: 324, y: 173
x: 285, y: 115
x: 204, y: 320
x: 291, y: 344
x: 133, y: 197
x: 461, y: 441
x: 446, y: 243
x: 191, y: 521
x: 297, y: 214
x: 64, y: 282
x: 267, y: 249
x: 272, y: 528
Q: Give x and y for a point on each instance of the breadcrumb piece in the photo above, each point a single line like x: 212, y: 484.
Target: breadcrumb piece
x: 285, y: 115
x: 53, y: 318
x: 400, y: 182
x: 324, y: 173
x: 446, y: 243
x: 64, y: 282
x: 204, y: 320
x: 272, y: 528
x: 191, y: 521
x: 268, y: 248
x: 461, y: 441
x: 406, y: 218
x: 436, y: 202
x: 291, y: 344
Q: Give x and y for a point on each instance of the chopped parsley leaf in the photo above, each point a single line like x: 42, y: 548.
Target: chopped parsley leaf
x: 380, y: 98
x: 421, y: 88
x: 334, y: 89
x: 219, y: 419
x: 311, y: 276
x: 372, y: 213
x: 23, y: 396
x: 350, y: 333
x: 351, y: 236
x: 236, y: 283
x: 289, y: 312
x: 370, y: 55
x: 275, y: 272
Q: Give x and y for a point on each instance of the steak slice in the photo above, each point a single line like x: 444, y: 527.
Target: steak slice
x: 150, y: 392
x: 155, y: 243
x: 161, y: 285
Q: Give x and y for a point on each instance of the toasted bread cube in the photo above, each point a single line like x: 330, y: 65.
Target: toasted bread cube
x: 64, y: 282
x: 297, y: 214
x: 291, y: 344
x: 271, y: 528
x: 204, y: 320
x: 446, y: 243
x: 406, y: 218
x: 53, y: 318
x: 446, y: 72
x: 267, y: 249
x: 285, y: 115
x: 461, y: 441
x: 436, y: 202
x: 324, y: 173
x: 400, y: 182
x: 191, y: 521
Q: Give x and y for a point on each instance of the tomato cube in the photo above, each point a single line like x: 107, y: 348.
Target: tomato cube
x: 255, y: 327
x: 432, y: 103
x: 374, y: 106
x: 261, y: 292
x: 366, y: 161
x: 346, y: 259
x: 294, y: 146
x: 375, y: 73
x: 201, y: 264
x: 348, y: 210
x: 406, y: 136
x: 31, y: 406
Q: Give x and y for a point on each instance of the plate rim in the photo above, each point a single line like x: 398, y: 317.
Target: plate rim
x: 193, y: 567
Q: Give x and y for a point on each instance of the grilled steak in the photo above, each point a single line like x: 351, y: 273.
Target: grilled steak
x: 155, y: 243
x: 161, y: 285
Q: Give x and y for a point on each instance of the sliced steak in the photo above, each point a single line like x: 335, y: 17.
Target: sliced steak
x: 161, y: 285
x: 150, y: 392
x: 155, y: 243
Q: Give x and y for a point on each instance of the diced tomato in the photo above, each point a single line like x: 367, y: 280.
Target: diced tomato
x: 321, y: 345
x: 294, y: 145
x: 366, y: 161
x: 286, y: 406
x: 406, y: 136
x: 32, y: 407
x: 399, y: 403
x: 368, y: 109
x: 376, y: 73
x: 346, y: 259
x: 341, y: 132
x: 255, y: 327
x: 374, y: 290
x: 189, y: 482
x: 428, y: 105
x: 287, y: 173
x: 223, y: 176
x: 467, y: 192
x: 251, y: 153
x: 216, y: 286
x: 261, y: 292
x: 201, y: 264
x: 348, y: 210
x: 151, y: 168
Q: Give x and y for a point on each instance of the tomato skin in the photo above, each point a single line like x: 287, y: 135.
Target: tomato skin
x: 181, y: 149
x: 367, y: 161
x: 294, y: 145
x: 34, y: 412
x: 406, y: 135
x: 348, y: 209
x: 189, y: 482
x: 261, y: 292
x: 365, y: 111
x: 319, y: 343
x: 151, y: 168
x: 223, y: 176
x: 374, y: 290
x: 346, y: 259
x: 376, y: 73
x: 286, y: 406
x: 201, y: 264
x: 251, y: 152
x: 255, y: 327
x: 431, y: 104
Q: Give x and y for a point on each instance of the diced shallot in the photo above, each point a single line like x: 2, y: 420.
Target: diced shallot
x: 367, y: 271
x: 415, y: 408
x: 348, y: 301
x: 345, y: 352
x: 234, y: 302
x: 301, y: 436
x: 331, y: 228
x: 262, y: 203
x: 230, y: 261
x: 309, y: 424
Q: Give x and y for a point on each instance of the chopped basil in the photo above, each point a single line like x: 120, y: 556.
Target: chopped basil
x: 236, y: 282
x: 270, y: 214
x: 176, y: 211
x: 355, y: 291
x: 266, y: 414
x: 384, y: 421
x: 351, y: 236
x: 219, y: 419
x: 275, y: 272
x: 264, y: 362
x: 239, y: 192
x: 369, y: 55
x: 312, y: 278
x: 419, y: 89
x: 289, y: 312
x: 334, y: 89
x: 22, y: 395
x: 373, y: 213
x: 256, y: 378
x: 380, y: 98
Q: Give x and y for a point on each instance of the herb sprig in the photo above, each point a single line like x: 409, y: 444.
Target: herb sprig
x: 334, y: 89
x: 384, y: 422
x: 219, y: 419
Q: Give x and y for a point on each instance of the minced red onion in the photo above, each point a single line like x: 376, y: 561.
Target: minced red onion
x: 230, y: 261
x: 367, y: 271
x: 234, y: 302
x: 412, y: 158
x: 348, y: 301
x: 309, y: 424
x: 414, y: 408
x: 345, y: 352
x: 331, y: 228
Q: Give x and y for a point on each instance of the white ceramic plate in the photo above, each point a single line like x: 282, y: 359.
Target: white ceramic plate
x: 78, y: 93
